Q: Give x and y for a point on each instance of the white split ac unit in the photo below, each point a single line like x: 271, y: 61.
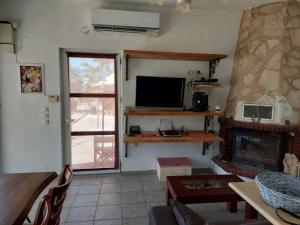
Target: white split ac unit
x: 125, y: 21
x: 6, y: 37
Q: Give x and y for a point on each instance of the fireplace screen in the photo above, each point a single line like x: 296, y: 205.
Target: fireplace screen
x: 257, y: 149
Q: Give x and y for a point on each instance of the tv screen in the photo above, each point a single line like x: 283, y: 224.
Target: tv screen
x: 159, y: 92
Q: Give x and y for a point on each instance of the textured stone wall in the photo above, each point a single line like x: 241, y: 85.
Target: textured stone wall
x: 267, y: 59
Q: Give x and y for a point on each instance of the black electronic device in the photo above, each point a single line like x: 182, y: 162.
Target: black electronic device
x: 206, y: 81
x: 171, y: 133
x: 134, y: 130
x: 160, y: 92
x: 200, y: 102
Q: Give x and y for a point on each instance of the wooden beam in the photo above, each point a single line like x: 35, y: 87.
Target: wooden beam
x: 173, y: 55
x: 192, y: 136
x: 141, y: 112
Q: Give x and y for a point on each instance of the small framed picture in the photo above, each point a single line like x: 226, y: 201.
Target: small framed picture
x: 32, y: 78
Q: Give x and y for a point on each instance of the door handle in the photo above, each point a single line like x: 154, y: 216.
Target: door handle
x: 68, y: 122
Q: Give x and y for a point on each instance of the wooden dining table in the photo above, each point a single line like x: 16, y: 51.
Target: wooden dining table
x: 250, y: 192
x: 18, y: 192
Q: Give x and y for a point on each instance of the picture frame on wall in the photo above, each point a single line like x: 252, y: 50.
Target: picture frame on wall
x: 32, y: 78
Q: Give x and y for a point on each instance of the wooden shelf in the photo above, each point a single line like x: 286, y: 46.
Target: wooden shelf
x: 213, y: 60
x: 173, y: 55
x: 145, y: 112
x: 191, y: 136
x: 208, y: 85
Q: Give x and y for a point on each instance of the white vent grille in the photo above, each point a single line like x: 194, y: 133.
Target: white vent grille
x: 264, y: 112
x: 125, y: 29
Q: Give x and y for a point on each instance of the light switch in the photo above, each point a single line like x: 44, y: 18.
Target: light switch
x: 45, y: 115
x: 53, y: 99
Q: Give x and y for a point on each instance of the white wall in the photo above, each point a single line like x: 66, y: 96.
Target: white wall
x: 46, y: 26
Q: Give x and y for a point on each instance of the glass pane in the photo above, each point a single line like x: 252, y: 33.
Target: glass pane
x: 93, y: 114
x: 93, y: 152
x: 91, y: 75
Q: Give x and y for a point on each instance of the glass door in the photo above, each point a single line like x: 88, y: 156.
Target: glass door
x: 93, y: 106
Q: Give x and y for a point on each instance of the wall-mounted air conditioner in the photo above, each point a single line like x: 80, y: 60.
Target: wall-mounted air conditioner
x: 106, y: 20
x: 6, y: 37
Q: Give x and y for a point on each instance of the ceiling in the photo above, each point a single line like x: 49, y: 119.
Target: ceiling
x: 197, y: 4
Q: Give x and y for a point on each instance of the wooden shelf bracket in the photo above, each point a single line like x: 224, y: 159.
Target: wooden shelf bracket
x: 213, y: 64
x: 206, y: 145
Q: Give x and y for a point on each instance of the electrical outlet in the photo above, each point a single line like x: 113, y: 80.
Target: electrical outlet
x: 193, y: 72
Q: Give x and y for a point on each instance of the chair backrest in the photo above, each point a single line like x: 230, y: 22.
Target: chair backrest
x: 58, y: 194
x: 43, y: 214
x: 65, y: 175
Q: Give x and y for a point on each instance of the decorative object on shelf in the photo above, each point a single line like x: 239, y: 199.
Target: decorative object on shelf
x: 217, y: 108
x: 32, y: 78
x: 291, y: 164
x: 183, y: 6
x: 280, y: 190
x: 134, y: 130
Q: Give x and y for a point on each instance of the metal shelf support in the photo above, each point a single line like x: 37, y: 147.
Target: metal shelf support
x: 206, y: 145
x: 212, y: 67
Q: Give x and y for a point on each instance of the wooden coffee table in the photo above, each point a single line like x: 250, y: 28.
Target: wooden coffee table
x: 203, y: 189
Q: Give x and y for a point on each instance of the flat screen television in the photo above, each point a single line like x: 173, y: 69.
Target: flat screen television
x: 161, y: 92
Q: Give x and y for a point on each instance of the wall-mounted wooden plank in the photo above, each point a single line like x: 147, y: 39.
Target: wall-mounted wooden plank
x: 145, y: 112
x: 173, y: 55
x: 191, y: 136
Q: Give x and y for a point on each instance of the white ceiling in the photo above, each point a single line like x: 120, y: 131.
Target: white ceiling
x: 197, y: 4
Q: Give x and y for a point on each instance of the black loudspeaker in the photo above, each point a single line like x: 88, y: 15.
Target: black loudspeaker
x: 200, y: 102
x: 134, y: 130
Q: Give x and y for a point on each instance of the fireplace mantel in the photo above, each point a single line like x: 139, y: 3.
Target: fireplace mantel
x: 229, y: 125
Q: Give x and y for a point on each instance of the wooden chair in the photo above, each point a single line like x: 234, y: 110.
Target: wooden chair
x: 43, y: 214
x: 58, y: 194
x: 104, y: 149
x: 66, y: 174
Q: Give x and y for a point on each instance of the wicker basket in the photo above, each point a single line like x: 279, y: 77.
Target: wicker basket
x: 279, y: 190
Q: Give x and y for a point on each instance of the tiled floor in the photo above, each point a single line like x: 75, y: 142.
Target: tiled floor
x: 123, y: 199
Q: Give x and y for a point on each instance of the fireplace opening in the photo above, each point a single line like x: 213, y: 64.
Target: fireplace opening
x: 259, y: 149
x: 250, y: 148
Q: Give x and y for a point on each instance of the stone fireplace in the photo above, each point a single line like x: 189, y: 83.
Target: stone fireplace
x: 250, y: 148
x: 263, y: 107
x: 267, y: 60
